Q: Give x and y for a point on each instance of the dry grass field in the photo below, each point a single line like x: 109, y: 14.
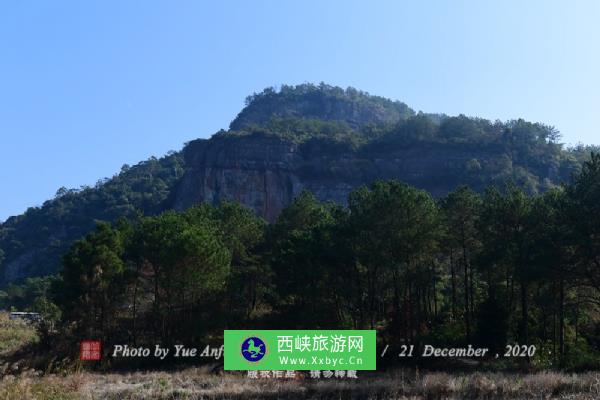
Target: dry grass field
x: 14, y: 334
x: 199, y: 384
x: 21, y: 383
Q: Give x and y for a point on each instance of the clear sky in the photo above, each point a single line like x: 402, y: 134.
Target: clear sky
x: 86, y: 86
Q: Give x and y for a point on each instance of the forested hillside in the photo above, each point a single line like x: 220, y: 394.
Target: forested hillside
x: 319, y: 138
x: 493, y: 269
x: 32, y: 243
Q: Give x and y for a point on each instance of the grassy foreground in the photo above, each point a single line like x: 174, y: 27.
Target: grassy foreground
x: 14, y: 335
x: 19, y: 382
x: 199, y: 384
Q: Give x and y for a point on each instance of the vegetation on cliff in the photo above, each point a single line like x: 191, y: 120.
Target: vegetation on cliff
x: 528, y: 154
x: 320, y: 102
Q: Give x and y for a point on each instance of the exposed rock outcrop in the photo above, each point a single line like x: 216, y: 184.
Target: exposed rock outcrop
x: 258, y: 171
x: 266, y: 172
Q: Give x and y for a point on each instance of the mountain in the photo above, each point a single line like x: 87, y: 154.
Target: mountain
x: 308, y: 137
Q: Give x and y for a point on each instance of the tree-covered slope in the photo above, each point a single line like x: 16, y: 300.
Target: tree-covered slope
x: 34, y: 241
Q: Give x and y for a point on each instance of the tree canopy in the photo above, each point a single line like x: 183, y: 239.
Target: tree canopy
x: 492, y: 269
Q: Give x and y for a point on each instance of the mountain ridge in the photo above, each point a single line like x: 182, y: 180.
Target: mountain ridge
x: 308, y: 137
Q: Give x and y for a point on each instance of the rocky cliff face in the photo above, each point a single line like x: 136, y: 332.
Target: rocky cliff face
x: 266, y: 172
x: 258, y: 171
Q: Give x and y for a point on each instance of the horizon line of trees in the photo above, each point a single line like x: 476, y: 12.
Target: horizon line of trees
x: 491, y: 269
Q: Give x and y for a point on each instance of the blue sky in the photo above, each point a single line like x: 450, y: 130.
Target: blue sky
x: 88, y: 86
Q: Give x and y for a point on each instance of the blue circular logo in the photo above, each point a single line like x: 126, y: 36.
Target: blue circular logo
x: 253, y: 349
